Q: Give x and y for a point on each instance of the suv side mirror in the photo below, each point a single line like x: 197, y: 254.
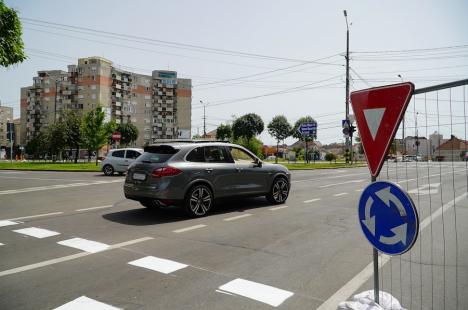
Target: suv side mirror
x: 258, y: 163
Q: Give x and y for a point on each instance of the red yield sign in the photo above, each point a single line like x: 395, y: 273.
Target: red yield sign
x: 378, y: 113
x: 116, y: 136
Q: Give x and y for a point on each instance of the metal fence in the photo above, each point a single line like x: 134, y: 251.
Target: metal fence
x: 432, y: 167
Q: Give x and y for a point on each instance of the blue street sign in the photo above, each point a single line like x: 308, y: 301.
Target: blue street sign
x: 308, y: 129
x: 388, y: 218
x: 345, y: 123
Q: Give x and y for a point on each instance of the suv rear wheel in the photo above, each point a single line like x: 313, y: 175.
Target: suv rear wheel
x: 199, y: 200
x: 279, y: 191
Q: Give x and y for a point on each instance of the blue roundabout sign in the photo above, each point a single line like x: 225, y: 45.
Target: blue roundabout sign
x: 388, y: 218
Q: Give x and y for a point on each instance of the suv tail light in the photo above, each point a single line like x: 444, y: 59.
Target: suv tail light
x: 165, y: 172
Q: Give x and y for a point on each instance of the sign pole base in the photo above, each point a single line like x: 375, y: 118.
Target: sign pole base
x: 376, y: 275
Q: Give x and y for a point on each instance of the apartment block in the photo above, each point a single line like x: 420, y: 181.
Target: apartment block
x: 159, y: 105
x: 6, y: 115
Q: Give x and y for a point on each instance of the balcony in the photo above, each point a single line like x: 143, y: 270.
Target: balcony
x: 118, y: 104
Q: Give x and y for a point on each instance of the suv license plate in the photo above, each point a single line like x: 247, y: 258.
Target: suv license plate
x: 139, y: 176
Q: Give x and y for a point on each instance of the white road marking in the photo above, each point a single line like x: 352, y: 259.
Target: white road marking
x: 332, y: 177
x: 362, y: 277
x: 7, y: 223
x: 177, y: 231
x: 341, y: 183
x: 85, y: 245
x: 84, y: 302
x: 2, y: 244
x: 51, y: 187
x: 278, y: 208
x: 340, y: 194
x: 158, y: 264
x: 359, y: 190
x: 222, y: 292
x: 264, y: 293
x: 37, y: 232
x: 68, y: 258
x: 312, y: 200
x: 237, y: 217
x: 37, y: 215
x: 94, y: 208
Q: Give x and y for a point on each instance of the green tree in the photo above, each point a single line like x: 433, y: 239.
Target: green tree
x: 329, y: 157
x: 129, y: 133
x: 96, y: 133
x: 74, y: 139
x: 223, y: 132
x: 36, y: 146
x: 360, y: 148
x: 11, y: 44
x: 254, y: 145
x: 56, y: 139
x: 296, y: 134
x: 280, y: 129
x: 247, y: 126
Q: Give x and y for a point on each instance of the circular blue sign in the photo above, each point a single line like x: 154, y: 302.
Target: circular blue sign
x: 388, y: 217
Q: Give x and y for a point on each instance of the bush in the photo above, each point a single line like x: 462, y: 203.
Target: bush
x: 330, y: 156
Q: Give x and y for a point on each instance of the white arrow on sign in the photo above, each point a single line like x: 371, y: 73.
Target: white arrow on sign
x: 373, y: 119
x: 386, y: 196
x: 369, y: 221
x: 399, y: 235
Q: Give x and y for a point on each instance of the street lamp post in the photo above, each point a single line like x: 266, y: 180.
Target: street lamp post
x: 403, y: 128
x: 9, y: 126
x: 349, y: 142
x: 204, y: 118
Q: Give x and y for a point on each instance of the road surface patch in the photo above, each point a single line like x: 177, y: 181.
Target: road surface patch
x: 340, y: 194
x: 34, y: 216
x: 177, y: 231
x: 37, y: 232
x: 278, y: 208
x: 260, y: 292
x: 236, y: 217
x: 341, y: 183
x: 94, y: 208
x: 85, y: 245
x: 158, y: 264
x: 84, y: 302
x: 7, y: 223
x: 312, y: 200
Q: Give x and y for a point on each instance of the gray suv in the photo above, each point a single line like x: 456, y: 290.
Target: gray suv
x: 194, y: 174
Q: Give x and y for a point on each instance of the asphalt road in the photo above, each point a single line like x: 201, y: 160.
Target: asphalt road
x: 72, y: 239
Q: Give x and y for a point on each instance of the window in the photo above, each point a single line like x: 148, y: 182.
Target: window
x: 93, y: 86
x: 241, y: 157
x: 216, y: 154
x: 196, y: 155
x: 132, y: 154
x: 118, y: 154
x: 93, y: 96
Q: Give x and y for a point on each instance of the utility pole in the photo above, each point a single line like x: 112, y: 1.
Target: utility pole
x: 204, y: 118
x: 349, y: 142
x: 403, y: 129
x: 57, y: 81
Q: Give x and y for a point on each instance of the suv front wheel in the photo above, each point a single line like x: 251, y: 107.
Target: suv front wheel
x: 279, y: 191
x: 199, y: 200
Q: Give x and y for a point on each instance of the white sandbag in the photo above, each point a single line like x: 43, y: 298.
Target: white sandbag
x: 365, y: 301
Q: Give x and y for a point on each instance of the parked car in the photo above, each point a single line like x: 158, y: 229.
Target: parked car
x: 193, y: 175
x: 118, y: 160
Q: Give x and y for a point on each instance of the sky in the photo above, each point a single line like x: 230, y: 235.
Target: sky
x: 249, y: 56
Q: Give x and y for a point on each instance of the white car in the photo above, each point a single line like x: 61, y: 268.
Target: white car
x: 118, y: 160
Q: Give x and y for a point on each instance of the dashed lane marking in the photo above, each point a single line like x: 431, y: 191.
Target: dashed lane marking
x: 340, y: 194
x: 177, y: 231
x: 37, y: 232
x: 278, y: 208
x: 85, y: 245
x: 94, y: 208
x: 342, y: 183
x: 69, y: 257
x: 84, y: 302
x: 158, y: 264
x: 236, y: 217
x: 312, y: 200
x: 58, y: 186
x: 35, y: 216
x: 260, y: 292
x: 7, y: 223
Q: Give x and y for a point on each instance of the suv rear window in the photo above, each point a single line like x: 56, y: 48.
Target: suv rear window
x: 157, y: 154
